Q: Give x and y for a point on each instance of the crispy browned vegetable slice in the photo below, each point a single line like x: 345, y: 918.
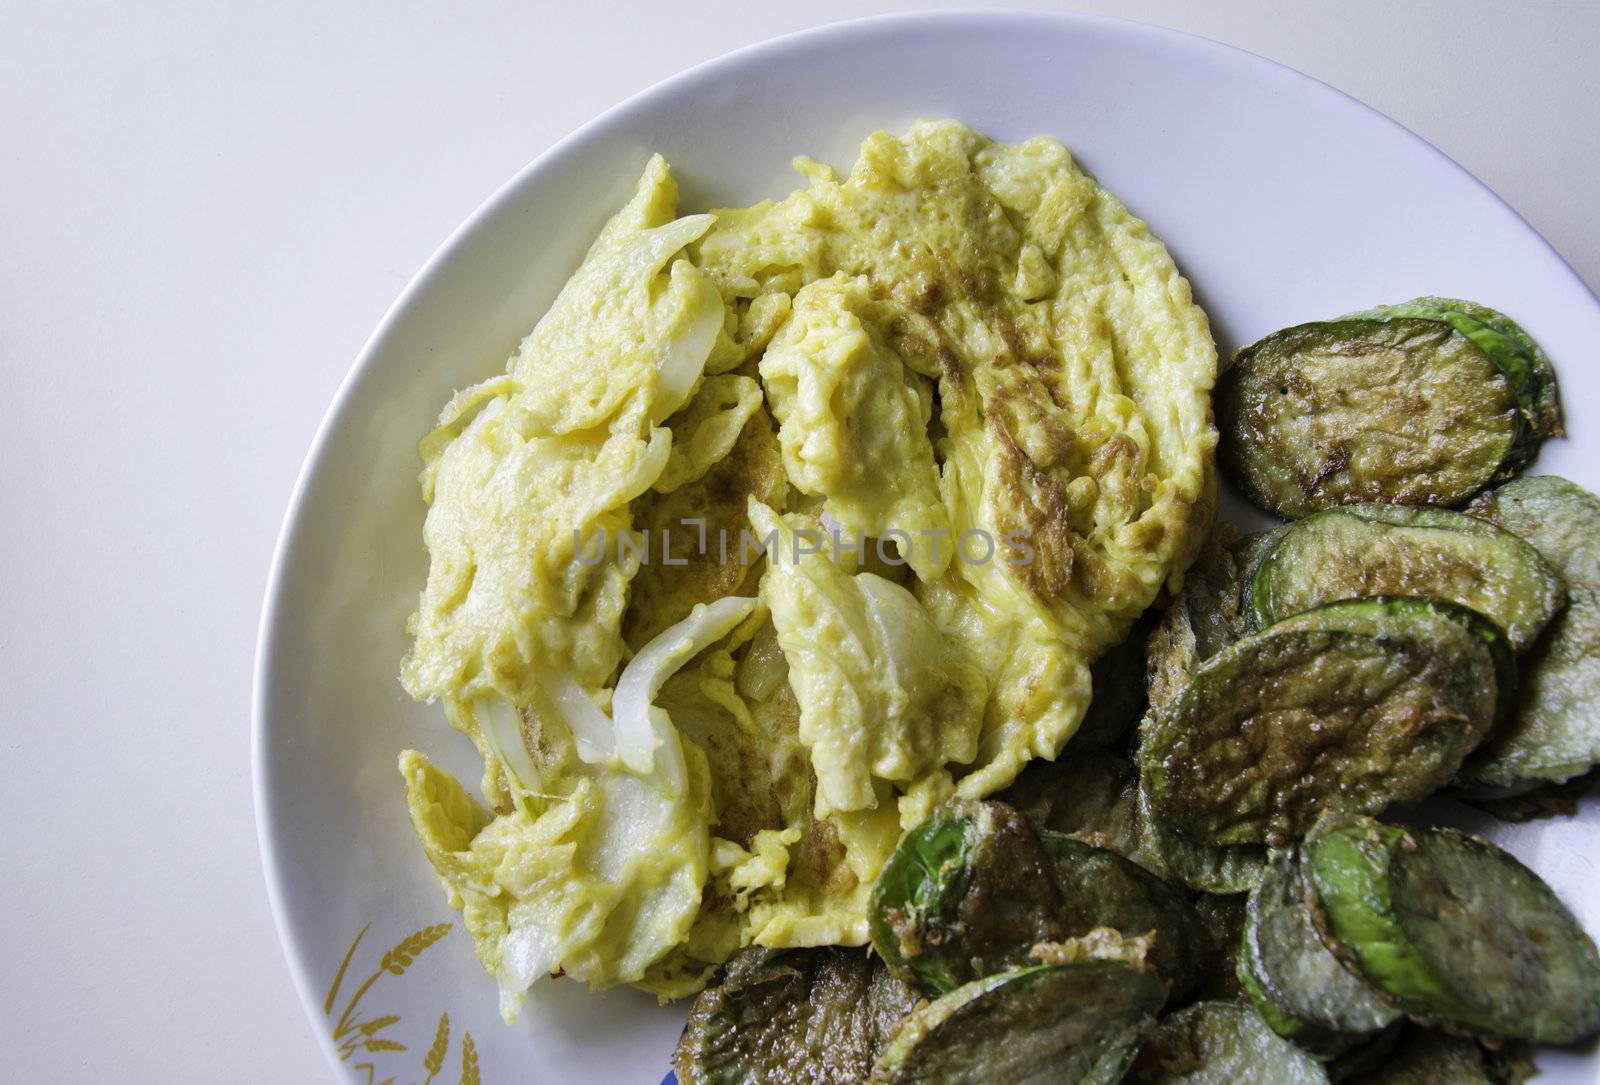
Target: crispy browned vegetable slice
x: 1100, y: 889
x: 1297, y: 984
x: 1370, y: 550
x: 1089, y: 795
x: 1554, y: 734
x: 811, y: 1016
x: 1223, y: 1043
x: 1511, y: 348
x: 964, y: 894
x: 1364, y: 611
x: 1354, y: 709
x: 1204, y: 618
x: 1453, y: 930
x: 1407, y: 410
x: 1065, y: 1024
x: 1210, y: 868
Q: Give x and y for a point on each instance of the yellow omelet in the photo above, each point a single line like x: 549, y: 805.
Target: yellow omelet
x: 785, y: 524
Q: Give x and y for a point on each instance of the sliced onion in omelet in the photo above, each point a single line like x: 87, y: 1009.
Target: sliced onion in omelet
x: 968, y: 356
x: 882, y: 696
x: 607, y: 878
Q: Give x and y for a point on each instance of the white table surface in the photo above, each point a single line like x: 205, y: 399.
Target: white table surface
x: 204, y: 209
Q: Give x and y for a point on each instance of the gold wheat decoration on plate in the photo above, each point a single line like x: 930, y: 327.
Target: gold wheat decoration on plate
x: 358, y: 1038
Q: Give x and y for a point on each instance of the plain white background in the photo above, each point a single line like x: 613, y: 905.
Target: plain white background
x: 204, y: 209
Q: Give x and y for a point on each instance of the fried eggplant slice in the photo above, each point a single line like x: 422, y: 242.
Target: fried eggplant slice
x: 1554, y: 734
x: 812, y: 1016
x: 1204, y: 618
x: 1296, y: 983
x: 1088, y: 795
x: 1100, y: 889
x: 1453, y: 930
x: 1222, y: 1043
x: 1370, y: 550
x: 1210, y: 868
x: 1066, y: 1024
x: 1353, y: 709
x: 1408, y: 410
x: 1344, y: 612
x: 964, y: 894
x: 1525, y: 365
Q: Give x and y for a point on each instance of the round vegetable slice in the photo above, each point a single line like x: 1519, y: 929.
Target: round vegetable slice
x: 1206, y: 615
x: 1349, y: 711
x: 1453, y: 930
x: 964, y: 894
x: 1512, y: 349
x: 1223, y: 1043
x: 1368, y: 550
x: 1073, y: 1024
x: 1362, y: 613
x: 1210, y: 868
x: 1404, y: 410
x: 1100, y: 889
x: 791, y: 1016
x: 1554, y: 734
x: 1296, y: 982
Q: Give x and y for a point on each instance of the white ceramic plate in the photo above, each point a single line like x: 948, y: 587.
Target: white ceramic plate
x: 1281, y: 199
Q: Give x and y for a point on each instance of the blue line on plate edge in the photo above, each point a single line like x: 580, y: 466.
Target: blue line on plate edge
x: 670, y: 1079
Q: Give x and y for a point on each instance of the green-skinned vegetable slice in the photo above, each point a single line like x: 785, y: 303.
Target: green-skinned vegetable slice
x: 1100, y: 889
x: 1202, y: 620
x: 1351, y: 710
x: 1223, y: 1043
x: 811, y: 1016
x: 1210, y: 868
x: 1405, y: 410
x: 1205, y: 617
x: 1554, y: 734
x: 1296, y: 982
x: 1525, y: 366
x: 1453, y: 930
x: 1559, y: 518
x: 1073, y: 1024
x: 1370, y: 550
x: 1363, y: 614
x: 964, y: 894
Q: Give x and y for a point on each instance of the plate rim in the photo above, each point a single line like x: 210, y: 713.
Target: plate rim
x: 263, y: 793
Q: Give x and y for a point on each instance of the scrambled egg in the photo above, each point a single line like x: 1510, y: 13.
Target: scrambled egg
x: 967, y: 368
